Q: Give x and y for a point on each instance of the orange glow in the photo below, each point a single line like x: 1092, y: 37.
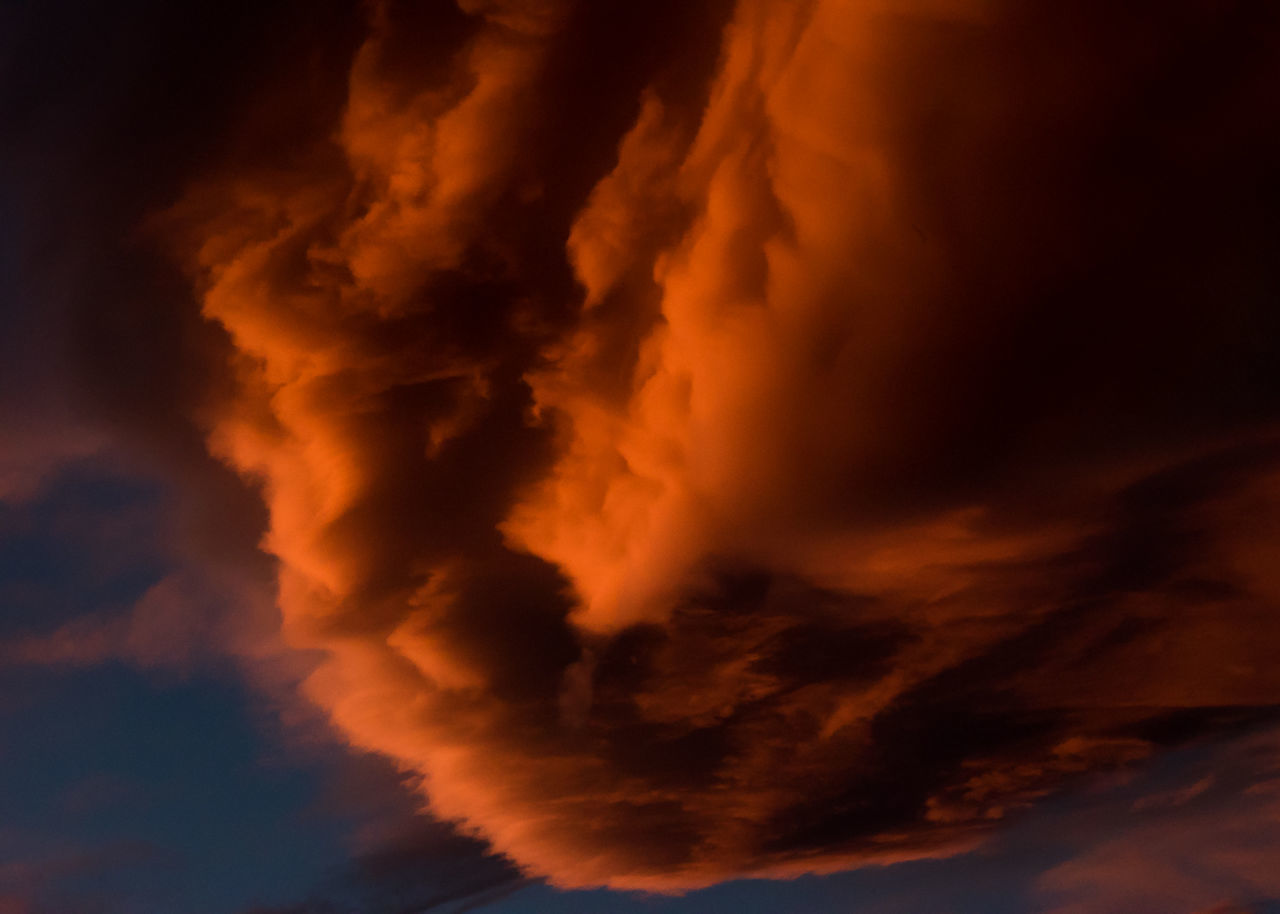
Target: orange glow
x: 729, y: 460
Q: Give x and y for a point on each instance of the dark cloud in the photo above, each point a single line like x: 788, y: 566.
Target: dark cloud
x: 429, y: 868
x: 703, y: 440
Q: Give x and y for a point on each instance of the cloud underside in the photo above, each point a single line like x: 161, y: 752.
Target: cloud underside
x: 764, y: 438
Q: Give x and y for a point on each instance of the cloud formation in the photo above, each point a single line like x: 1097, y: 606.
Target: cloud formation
x: 1207, y: 847
x: 799, y: 442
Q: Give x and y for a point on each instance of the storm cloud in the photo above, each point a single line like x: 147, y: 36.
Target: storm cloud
x: 704, y: 440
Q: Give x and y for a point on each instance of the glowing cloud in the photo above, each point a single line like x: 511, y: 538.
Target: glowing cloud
x: 793, y: 490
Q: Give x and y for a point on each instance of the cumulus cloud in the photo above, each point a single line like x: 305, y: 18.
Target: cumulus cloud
x: 764, y: 438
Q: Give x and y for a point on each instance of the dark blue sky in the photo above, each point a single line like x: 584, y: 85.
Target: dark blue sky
x: 148, y: 790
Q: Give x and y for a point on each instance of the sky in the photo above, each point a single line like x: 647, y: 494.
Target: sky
x: 807, y: 456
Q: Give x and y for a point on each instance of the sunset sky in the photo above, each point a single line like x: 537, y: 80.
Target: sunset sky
x: 666, y: 457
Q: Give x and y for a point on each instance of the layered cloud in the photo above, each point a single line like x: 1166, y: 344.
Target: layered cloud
x: 799, y: 442
x: 1205, y: 846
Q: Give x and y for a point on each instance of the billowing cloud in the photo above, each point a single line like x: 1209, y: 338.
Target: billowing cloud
x: 800, y: 442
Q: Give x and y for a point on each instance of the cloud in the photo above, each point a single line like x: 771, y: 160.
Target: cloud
x: 755, y: 440
x: 40, y: 883
x: 424, y: 868
x: 177, y: 624
x: 1210, y: 851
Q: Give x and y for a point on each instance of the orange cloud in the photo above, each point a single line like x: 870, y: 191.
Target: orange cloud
x: 794, y: 491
